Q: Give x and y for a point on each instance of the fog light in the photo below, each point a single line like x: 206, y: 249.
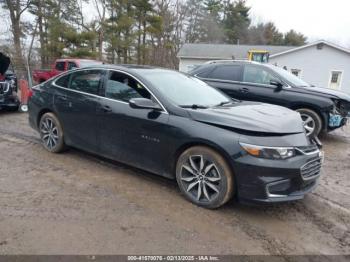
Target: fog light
x: 278, y: 189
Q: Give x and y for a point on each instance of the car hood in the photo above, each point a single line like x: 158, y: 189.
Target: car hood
x: 250, y: 116
x: 4, y: 63
x: 326, y: 92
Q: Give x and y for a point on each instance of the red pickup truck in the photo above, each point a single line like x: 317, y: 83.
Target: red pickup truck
x: 60, y: 66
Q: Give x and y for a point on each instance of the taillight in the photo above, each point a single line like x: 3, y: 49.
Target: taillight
x: 30, y: 93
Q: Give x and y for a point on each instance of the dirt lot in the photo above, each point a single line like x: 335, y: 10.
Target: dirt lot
x: 75, y: 203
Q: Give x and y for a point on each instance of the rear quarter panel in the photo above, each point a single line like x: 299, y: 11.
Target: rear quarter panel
x: 40, y: 102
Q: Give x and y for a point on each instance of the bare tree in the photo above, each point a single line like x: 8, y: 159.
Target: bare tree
x: 16, y: 9
x: 101, y: 10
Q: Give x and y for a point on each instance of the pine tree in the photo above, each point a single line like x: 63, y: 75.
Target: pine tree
x: 294, y: 39
x: 236, y: 22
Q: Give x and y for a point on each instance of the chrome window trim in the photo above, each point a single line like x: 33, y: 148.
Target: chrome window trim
x: 164, y: 111
x: 285, y: 85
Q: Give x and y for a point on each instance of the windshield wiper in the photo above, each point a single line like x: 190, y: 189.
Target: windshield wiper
x: 194, y: 106
x: 224, y: 103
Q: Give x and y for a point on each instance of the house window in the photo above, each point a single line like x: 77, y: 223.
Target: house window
x: 335, y: 79
x: 296, y: 72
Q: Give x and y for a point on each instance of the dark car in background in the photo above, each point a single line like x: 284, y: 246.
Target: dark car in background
x: 177, y: 126
x: 8, y: 85
x: 321, y: 109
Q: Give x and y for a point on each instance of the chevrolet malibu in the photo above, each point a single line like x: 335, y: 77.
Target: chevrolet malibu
x: 176, y: 126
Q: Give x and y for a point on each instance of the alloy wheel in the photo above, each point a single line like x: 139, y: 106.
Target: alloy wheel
x: 309, y: 124
x: 201, y: 178
x: 49, y: 133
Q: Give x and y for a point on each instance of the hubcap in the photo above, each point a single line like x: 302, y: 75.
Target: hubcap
x: 201, y: 178
x: 49, y: 133
x: 309, y: 124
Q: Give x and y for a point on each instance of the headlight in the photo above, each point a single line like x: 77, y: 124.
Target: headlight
x: 269, y: 152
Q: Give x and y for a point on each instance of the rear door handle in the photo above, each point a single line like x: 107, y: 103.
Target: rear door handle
x: 244, y: 90
x: 106, y: 109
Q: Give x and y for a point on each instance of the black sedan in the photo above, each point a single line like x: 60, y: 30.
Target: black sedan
x: 321, y: 109
x: 177, y: 126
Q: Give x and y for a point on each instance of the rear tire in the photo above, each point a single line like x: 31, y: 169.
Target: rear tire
x: 312, y: 122
x: 204, y: 177
x: 51, y: 133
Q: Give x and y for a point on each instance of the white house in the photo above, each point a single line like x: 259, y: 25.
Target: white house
x: 319, y: 63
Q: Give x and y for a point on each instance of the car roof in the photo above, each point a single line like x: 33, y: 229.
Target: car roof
x: 76, y: 59
x: 127, y: 67
x: 214, y: 63
x: 230, y: 61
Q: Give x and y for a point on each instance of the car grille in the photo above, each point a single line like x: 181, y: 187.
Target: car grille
x: 311, y: 169
x: 4, y: 87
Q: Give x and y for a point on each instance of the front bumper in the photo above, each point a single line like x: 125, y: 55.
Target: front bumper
x: 9, y: 101
x: 8, y: 98
x: 272, y: 181
x: 336, y: 121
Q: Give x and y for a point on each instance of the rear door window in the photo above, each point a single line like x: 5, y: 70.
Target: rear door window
x: 87, y: 81
x: 227, y: 72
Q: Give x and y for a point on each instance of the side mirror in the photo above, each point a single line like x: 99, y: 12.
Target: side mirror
x: 144, y: 103
x: 277, y: 84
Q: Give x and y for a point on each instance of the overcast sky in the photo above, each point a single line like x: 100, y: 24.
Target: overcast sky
x: 317, y: 19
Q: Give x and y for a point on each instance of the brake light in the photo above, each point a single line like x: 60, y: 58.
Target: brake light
x: 30, y: 93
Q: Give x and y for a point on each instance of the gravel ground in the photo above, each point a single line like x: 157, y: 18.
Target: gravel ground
x: 76, y: 203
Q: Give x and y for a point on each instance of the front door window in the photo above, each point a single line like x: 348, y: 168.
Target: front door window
x: 257, y: 75
x: 123, y: 87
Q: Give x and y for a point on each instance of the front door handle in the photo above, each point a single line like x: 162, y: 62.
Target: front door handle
x: 244, y: 90
x: 63, y: 98
x: 106, y: 109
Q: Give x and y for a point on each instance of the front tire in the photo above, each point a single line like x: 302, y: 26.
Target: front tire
x: 23, y: 108
x: 204, y: 177
x: 312, y: 122
x: 51, y: 133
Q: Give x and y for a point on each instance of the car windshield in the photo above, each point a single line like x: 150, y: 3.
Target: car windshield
x: 294, y: 80
x: 184, y: 90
